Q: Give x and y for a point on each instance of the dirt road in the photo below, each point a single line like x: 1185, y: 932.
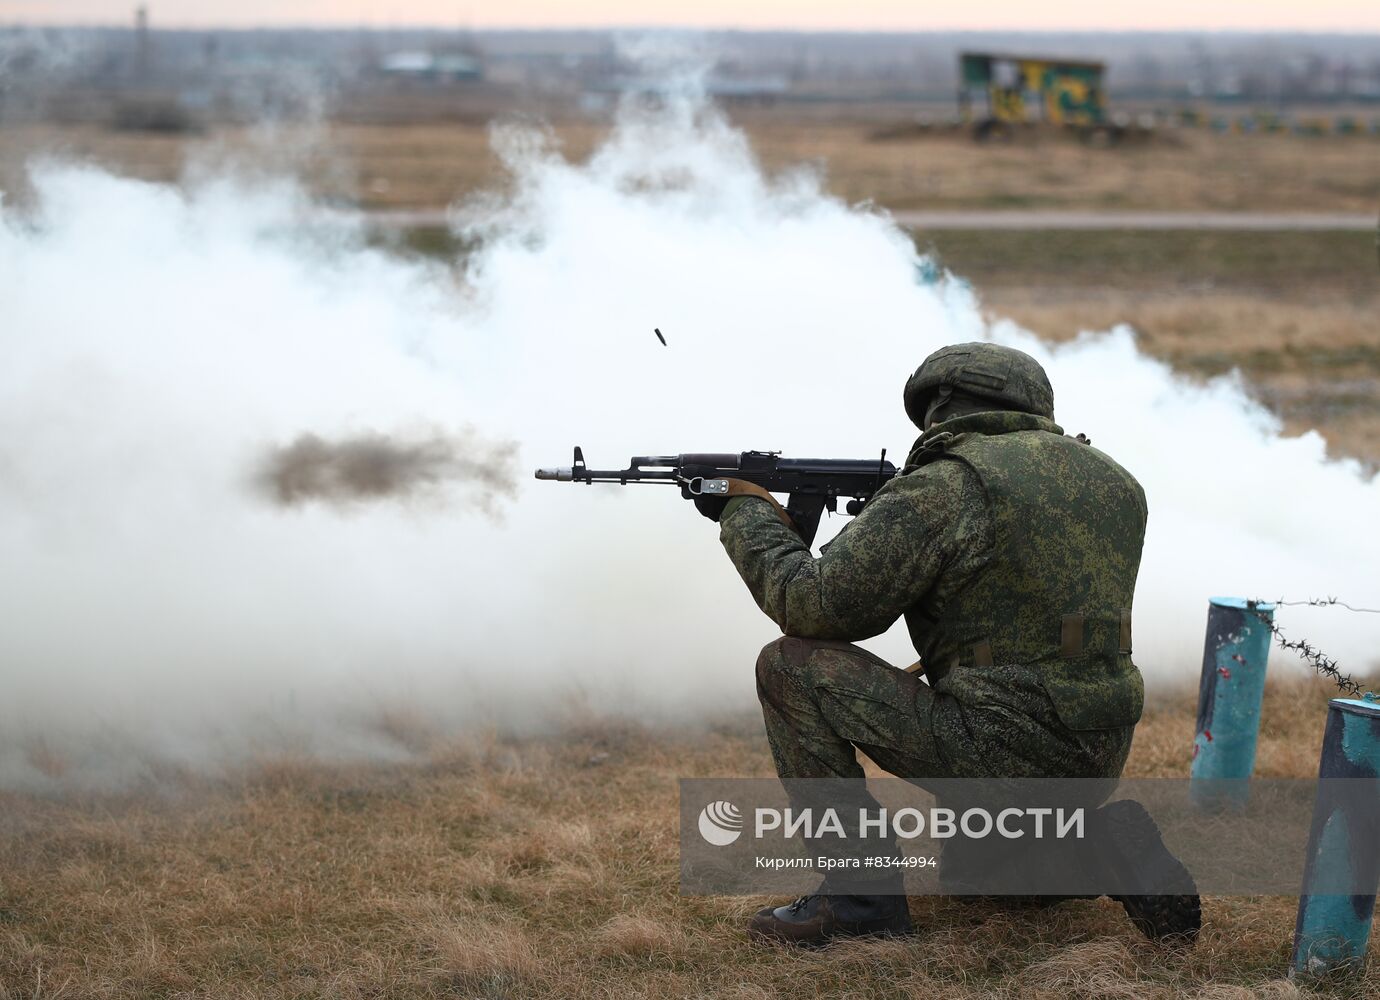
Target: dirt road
x: 1017, y: 220
x: 1239, y: 221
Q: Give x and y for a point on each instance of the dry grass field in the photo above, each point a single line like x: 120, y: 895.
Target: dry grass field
x: 1190, y: 170
x: 428, y: 165
x: 1298, y: 313
x: 499, y: 867
x: 495, y: 867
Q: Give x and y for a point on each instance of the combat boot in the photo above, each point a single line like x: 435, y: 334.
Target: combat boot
x: 815, y: 920
x: 1158, y: 893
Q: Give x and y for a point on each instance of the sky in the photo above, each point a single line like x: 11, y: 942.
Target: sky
x: 874, y: 15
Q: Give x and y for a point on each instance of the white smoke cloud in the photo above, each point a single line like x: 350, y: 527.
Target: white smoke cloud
x: 154, y: 341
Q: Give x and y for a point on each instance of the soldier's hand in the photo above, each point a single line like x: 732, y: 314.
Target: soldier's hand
x: 711, y: 507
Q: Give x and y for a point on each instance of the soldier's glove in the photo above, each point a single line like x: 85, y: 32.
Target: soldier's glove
x: 711, y: 507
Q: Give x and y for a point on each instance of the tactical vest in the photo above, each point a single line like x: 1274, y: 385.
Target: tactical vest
x: 1056, y: 596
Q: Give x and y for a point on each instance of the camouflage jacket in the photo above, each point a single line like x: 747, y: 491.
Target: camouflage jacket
x: 1002, y: 542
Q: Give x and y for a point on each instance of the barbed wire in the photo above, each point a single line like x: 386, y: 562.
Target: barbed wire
x: 1327, y: 602
x: 1325, y: 665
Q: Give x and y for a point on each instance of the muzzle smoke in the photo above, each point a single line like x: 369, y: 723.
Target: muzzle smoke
x: 376, y: 467
x: 153, y: 338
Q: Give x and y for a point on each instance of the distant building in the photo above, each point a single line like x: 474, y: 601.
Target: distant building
x: 432, y: 67
x: 1016, y: 89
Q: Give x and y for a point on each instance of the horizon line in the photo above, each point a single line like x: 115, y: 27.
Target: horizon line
x: 683, y: 28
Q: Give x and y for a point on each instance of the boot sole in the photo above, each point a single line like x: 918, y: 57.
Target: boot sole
x: 1134, y: 845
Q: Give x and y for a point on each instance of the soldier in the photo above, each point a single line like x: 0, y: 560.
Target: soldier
x: 1012, y: 552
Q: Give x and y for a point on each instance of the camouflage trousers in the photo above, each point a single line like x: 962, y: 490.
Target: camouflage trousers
x: 823, y: 700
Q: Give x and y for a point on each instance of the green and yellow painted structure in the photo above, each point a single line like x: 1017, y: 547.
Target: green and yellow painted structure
x: 999, y: 91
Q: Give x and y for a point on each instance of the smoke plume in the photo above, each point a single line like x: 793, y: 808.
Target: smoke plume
x: 154, y: 337
x: 375, y: 467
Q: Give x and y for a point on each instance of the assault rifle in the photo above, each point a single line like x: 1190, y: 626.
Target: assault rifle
x: 813, y: 485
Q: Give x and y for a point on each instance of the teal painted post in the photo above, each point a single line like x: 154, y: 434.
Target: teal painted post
x: 1235, y: 653
x: 1333, y: 926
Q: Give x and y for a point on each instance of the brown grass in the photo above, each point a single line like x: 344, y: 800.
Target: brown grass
x: 429, y: 165
x: 497, y: 867
x: 1315, y: 363
x: 1296, y: 313
x: 1191, y: 171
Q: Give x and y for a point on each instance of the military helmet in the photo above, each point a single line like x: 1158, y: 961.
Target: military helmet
x: 1008, y: 377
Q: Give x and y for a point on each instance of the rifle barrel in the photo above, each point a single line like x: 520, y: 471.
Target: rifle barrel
x: 569, y: 475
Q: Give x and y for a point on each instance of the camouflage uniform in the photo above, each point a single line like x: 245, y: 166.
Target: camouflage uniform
x: 1012, y: 552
